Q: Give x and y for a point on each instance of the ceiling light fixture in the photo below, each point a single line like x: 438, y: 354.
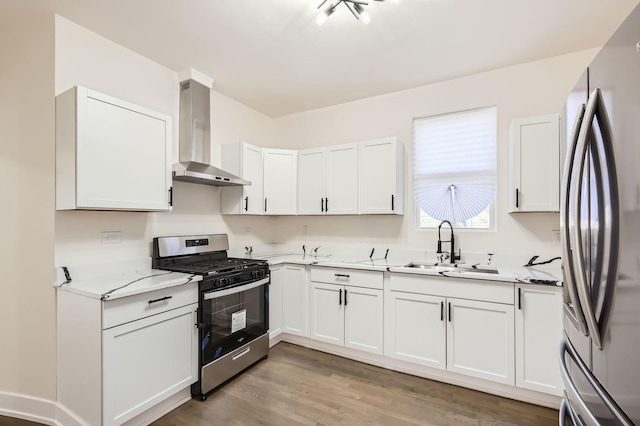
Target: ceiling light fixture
x: 356, y: 7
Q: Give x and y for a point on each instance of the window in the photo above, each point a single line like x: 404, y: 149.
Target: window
x: 454, y: 168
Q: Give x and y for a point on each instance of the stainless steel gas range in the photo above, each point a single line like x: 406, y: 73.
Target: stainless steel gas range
x: 233, y: 311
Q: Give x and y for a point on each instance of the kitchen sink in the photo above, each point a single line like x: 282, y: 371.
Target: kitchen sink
x: 450, y: 267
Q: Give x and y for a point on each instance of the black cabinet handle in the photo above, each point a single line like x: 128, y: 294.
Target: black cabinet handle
x: 441, y: 311
x: 449, y: 312
x: 345, y: 297
x: 265, y: 204
x: 322, y: 204
x: 393, y: 202
x: 246, y: 204
x: 326, y: 205
x: 171, y: 196
x: 519, y: 298
x: 162, y: 299
x: 340, y: 299
x: 342, y: 276
x: 517, y: 198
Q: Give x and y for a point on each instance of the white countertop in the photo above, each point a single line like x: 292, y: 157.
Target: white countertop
x: 510, y: 273
x: 118, y: 279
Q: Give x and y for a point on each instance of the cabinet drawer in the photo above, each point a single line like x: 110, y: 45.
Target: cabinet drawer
x: 126, y: 309
x: 352, y: 277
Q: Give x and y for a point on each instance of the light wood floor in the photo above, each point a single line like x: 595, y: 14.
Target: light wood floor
x: 300, y: 386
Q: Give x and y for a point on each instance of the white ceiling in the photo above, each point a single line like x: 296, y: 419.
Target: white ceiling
x: 270, y: 54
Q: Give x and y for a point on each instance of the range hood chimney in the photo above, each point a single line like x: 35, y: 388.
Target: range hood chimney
x: 195, y: 140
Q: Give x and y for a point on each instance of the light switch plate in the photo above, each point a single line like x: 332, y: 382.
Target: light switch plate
x: 555, y: 237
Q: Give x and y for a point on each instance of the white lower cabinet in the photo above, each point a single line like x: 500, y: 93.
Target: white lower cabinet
x: 415, y: 329
x: 275, y: 300
x: 117, y: 359
x: 347, y: 315
x: 480, y: 339
x: 538, y: 321
x: 295, y: 300
x: 146, y: 361
x: 428, y: 322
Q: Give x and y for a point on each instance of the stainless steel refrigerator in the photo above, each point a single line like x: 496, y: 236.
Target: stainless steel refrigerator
x: 600, y: 222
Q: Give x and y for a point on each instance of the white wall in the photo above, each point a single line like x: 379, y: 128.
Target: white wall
x: 519, y: 91
x: 86, y: 58
x: 27, y: 315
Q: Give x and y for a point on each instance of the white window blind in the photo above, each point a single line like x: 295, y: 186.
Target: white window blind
x: 454, y: 163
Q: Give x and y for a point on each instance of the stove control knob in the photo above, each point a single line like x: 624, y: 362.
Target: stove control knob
x: 224, y: 281
x: 260, y: 273
x: 253, y: 274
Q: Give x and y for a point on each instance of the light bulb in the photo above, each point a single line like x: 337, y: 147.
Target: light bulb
x: 365, y: 18
x: 394, y: 1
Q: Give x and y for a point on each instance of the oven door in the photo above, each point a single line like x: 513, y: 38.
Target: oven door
x: 232, y: 317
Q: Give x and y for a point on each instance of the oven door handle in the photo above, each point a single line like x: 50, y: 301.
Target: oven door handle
x: 233, y: 290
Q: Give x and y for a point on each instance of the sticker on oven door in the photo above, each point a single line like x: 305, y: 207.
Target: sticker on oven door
x: 238, y: 320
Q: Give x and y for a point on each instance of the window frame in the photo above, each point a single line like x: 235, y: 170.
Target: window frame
x: 493, y: 226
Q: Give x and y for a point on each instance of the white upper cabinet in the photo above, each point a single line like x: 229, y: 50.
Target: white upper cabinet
x: 534, y: 164
x: 280, y: 181
x: 381, y: 176
x: 111, y: 154
x: 244, y: 160
x: 328, y: 180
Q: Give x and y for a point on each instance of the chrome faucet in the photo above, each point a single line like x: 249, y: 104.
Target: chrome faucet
x: 453, y: 256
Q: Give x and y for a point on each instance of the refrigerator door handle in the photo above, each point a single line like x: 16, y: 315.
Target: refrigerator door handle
x: 571, y: 390
x: 596, y: 109
x: 566, y: 410
x: 573, y: 310
x: 609, y: 214
x: 582, y: 284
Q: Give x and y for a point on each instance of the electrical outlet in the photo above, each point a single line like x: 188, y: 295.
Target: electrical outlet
x: 555, y: 237
x: 247, y: 229
x: 305, y: 229
x: 111, y: 237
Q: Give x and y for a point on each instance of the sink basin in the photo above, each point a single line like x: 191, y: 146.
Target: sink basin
x: 438, y: 267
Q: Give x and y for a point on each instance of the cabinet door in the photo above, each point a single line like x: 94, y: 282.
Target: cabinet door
x: 535, y: 164
x: 280, y: 181
x: 121, y: 153
x: 538, y: 335
x: 275, y: 300
x: 415, y: 329
x: 381, y: 177
x: 327, y: 313
x: 311, y: 181
x: 480, y: 340
x: 146, y: 361
x: 295, y: 300
x: 342, y: 179
x: 363, y: 319
x: 252, y: 171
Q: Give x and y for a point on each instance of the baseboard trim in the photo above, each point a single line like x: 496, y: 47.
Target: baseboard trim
x: 506, y: 391
x: 55, y: 414
x: 27, y: 407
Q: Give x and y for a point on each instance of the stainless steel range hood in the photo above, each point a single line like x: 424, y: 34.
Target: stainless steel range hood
x: 195, y: 140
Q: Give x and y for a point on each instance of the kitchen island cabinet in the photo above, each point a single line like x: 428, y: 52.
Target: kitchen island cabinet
x: 118, y: 359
